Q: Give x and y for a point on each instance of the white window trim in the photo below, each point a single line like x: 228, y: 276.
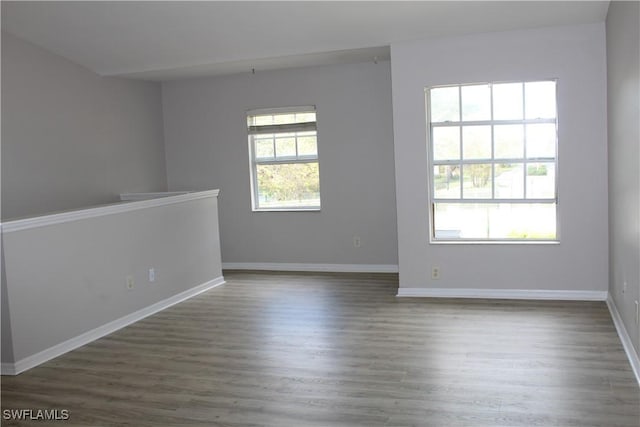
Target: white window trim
x: 430, y: 163
x: 299, y: 127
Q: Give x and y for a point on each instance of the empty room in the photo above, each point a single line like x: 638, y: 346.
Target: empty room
x: 320, y: 213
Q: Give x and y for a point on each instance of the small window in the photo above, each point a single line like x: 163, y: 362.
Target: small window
x: 283, y: 145
x: 493, y: 161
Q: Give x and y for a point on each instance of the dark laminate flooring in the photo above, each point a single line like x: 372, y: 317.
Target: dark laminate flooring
x: 324, y: 350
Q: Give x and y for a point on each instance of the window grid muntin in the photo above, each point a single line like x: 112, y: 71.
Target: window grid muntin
x: 493, y: 161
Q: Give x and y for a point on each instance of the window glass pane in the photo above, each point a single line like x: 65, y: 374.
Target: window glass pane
x: 281, y: 119
x: 541, y: 182
x: 495, y: 221
x: 288, y: 185
x: 264, y: 147
x: 307, y: 144
x: 541, y: 140
x: 461, y: 221
x: 285, y: 145
x: 540, y: 100
x: 445, y: 104
x: 507, y: 101
x: 446, y: 143
x: 305, y: 117
x: 446, y: 181
x: 449, y: 220
x: 477, y: 181
x: 476, y: 142
x: 260, y: 120
x: 476, y: 102
x: 508, y: 141
x: 524, y: 221
x: 509, y: 180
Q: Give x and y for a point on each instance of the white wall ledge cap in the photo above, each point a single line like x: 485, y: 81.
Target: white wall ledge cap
x: 74, y: 215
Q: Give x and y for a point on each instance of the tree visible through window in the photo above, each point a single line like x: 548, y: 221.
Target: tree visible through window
x: 284, y: 158
x: 493, y: 161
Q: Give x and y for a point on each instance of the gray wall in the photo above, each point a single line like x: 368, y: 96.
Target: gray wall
x: 623, y: 71
x: 574, y: 55
x: 6, y: 340
x: 71, y: 138
x: 206, y: 147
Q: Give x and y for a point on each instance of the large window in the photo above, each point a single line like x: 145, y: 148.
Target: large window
x: 493, y: 161
x: 283, y: 146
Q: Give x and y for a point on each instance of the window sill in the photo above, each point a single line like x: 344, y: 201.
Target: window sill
x: 494, y: 242
x: 287, y: 210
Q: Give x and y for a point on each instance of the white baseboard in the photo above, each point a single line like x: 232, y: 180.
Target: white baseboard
x: 503, y: 294
x: 333, y: 268
x: 632, y: 355
x: 106, y: 329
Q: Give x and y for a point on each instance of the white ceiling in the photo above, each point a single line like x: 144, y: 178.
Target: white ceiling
x: 161, y: 40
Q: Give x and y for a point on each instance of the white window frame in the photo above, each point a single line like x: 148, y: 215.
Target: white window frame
x: 275, y: 129
x: 492, y: 161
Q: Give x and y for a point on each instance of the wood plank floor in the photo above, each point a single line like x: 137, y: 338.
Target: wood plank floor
x: 324, y: 350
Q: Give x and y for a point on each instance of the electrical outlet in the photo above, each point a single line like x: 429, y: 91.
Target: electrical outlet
x: 637, y: 313
x: 624, y: 287
x: 435, y: 273
x: 356, y: 242
x: 130, y: 282
x: 152, y: 275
